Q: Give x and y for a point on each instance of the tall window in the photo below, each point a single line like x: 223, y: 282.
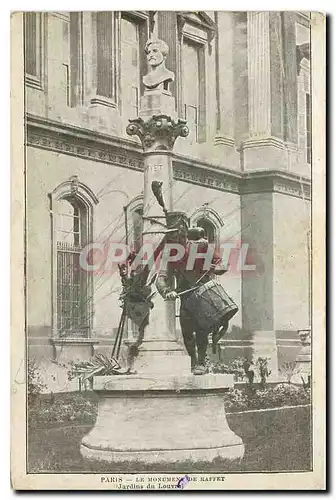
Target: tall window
x: 130, y: 67
x: 193, y: 69
x: 74, y: 67
x: 308, y: 127
x: 33, y: 22
x: 137, y: 228
x: 105, y: 59
x: 73, y: 298
x: 303, y: 91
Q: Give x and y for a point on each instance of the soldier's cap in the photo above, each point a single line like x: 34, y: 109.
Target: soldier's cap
x: 176, y: 219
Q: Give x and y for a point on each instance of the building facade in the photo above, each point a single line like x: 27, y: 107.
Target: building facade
x: 242, y: 82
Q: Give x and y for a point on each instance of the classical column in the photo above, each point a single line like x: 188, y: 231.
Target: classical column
x: 268, y: 71
x: 224, y: 140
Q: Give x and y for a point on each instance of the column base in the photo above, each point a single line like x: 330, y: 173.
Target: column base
x: 264, y: 154
x: 225, y: 153
x: 162, y: 420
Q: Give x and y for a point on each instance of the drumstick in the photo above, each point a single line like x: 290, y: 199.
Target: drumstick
x: 195, y: 287
x: 186, y: 291
x: 204, y: 274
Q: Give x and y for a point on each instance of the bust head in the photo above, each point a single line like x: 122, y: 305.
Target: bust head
x: 156, y: 51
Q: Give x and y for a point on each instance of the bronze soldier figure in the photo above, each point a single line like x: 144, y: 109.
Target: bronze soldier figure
x: 204, y: 310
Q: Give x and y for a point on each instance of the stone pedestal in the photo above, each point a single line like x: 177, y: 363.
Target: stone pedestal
x: 162, y: 420
x: 157, y: 102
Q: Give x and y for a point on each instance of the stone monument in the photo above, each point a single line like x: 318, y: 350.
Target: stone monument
x: 162, y: 413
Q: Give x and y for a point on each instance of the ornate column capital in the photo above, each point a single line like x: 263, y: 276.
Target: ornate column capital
x: 159, y: 133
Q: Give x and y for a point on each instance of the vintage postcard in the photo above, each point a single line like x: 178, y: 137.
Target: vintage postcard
x: 168, y: 250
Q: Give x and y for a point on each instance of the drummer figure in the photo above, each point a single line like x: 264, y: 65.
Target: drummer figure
x: 196, y: 345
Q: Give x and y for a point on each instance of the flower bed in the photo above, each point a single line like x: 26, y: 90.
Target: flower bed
x: 62, y: 409
x: 274, y: 396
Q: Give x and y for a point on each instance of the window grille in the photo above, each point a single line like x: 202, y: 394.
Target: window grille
x: 73, y: 299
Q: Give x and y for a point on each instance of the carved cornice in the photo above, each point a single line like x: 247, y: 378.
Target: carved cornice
x: 212, y: 178
x: 83, y: 143
x: 159, y: 133
x: 274, y: 181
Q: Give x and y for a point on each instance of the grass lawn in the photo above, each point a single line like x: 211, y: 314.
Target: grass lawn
x: 274, y: 440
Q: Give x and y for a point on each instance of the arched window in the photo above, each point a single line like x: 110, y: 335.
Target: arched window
x: 137, y: 222
x: 71, y: 216
x: 134, y: 227
x: 134, y: 222
x: 207, y: 218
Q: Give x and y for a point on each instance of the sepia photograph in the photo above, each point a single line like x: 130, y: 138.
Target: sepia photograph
x: 167, y: 336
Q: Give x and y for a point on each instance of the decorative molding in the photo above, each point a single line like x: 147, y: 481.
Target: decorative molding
x: 225, y: 141
x: 83, y: 143
x: 208, y: 213
x: 212, y: 179
x: 103, y: 101
x: 73, y: 187
x: 264, y: 142
x: 275, y: 182
x: 200, y: 20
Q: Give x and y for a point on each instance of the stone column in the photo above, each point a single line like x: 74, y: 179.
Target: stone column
x: 224, y: 141
x: 157, y: 130
x: 257, y: 286
x: 266, y: 147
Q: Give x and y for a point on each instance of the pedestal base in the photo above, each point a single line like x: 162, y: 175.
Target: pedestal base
x: 168, y: 419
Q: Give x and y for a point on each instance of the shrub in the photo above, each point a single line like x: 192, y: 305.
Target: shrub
x: 235, y: 367
x: 34, y: 381
x: 68, y: 408
x: 270, y: 397
x: 236, y: 400
x: 264, y: 371
x: 289, y: 369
